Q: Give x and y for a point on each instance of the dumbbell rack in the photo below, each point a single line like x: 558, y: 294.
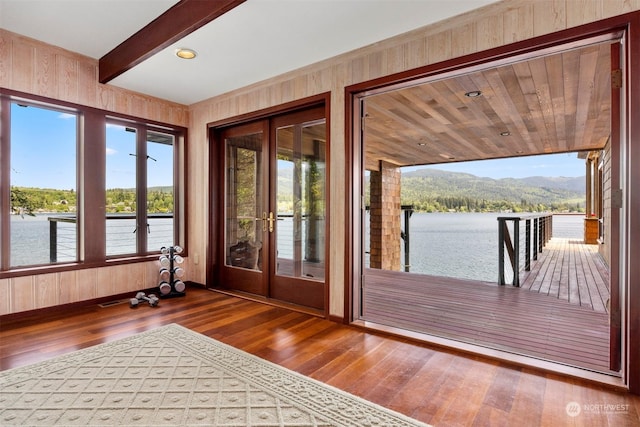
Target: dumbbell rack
x: 174, y: 287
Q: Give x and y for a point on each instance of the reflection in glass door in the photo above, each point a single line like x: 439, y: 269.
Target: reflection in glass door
x: 245, y: 217
x: 244, y: 239
x: 299, y: 200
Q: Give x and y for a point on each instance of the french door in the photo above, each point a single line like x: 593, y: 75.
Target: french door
x: 274, y: 208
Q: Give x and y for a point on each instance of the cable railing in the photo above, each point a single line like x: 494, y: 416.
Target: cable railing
x: 120, y: 237
x: 538, y: 230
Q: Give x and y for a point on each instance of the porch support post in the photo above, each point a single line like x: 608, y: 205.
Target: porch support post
x: 385, y: 218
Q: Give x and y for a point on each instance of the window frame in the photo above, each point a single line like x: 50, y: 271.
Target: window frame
x: 142, y: 132
x: 91, y: 188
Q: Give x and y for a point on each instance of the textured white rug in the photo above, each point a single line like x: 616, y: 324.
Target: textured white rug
x: 174, y: 376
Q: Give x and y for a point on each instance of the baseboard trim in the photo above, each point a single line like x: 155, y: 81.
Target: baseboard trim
x: 272, y: 302
x: 102, y: 301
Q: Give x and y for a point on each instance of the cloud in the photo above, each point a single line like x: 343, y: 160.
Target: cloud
x: 66, y: 116
x: 111, y: 151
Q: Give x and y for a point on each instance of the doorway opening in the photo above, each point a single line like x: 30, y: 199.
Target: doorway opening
x: 552, y: 101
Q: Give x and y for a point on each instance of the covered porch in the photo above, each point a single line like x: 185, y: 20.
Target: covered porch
x: 558, y: 314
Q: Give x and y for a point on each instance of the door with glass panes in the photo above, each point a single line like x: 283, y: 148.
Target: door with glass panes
x: 274, y: 208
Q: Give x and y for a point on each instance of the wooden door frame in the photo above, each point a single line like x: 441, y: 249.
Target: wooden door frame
x: 629, y: 25
x: 615, y: 309
x: 216, y: 176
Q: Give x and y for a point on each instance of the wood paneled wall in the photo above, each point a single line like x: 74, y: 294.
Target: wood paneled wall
x: 35, y: 67
x: 489, y: 27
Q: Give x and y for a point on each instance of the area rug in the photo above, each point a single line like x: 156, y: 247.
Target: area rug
x: 174, y: 376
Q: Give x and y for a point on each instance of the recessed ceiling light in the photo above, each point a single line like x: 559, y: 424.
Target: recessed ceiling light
x: 422, y: 144
x: 505, y: 133
x: 186, y: 53
x: 473, y: 94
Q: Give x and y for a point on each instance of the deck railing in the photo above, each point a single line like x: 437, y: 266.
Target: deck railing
x: 407, y: 212
x: 538, y: 230
x: 62, y: 240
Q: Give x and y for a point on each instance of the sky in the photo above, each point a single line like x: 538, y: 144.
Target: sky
x: 44, y: 154
x: 550, y: 165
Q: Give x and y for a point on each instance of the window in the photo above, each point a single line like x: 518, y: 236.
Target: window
x: 120, y: 192
x: 79, y: 185
x: 43, y: 185
x: 160, y: 190
x: 131, y: 166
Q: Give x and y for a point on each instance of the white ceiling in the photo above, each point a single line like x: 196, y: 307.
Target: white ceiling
x: 257, y: 40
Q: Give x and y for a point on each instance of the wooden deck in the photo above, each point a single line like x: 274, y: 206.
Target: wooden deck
x: 499, y: 317
x: 569, y: 270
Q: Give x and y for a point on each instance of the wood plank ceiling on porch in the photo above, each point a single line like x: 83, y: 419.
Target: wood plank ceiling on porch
x: 548, y: 104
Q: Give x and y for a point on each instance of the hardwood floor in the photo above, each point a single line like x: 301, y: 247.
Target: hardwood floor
x: 440, y: 387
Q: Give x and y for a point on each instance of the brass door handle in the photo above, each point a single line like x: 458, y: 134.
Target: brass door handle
x: 271, y: 221
x: 264, y: 221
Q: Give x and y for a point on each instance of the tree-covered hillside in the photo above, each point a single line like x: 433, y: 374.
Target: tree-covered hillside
x: 434, y: 190
x: 27, y: 200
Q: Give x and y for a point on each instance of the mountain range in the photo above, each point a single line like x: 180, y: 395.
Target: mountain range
x: 438, y: 190
x: 428, y: 185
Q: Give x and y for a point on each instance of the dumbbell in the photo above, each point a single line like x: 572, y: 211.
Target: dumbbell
x: 140, y: 296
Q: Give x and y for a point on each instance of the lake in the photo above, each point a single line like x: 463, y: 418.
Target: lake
x: 465, y: 245
x: 462, y: 245
x: 30, y: 237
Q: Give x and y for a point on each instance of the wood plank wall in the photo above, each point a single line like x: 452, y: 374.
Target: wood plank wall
x: 34, y: 67
x: 489, y: 27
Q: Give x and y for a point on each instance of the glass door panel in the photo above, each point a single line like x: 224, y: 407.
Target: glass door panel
x: 300, y: 197
x: 244, y: 208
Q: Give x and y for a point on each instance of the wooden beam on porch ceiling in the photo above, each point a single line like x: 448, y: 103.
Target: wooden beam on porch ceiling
x: 180, y: 20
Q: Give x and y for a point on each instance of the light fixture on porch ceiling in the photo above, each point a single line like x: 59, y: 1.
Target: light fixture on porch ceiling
x: 473, y: 94
x: 505, y: 133
x: 185, y: 53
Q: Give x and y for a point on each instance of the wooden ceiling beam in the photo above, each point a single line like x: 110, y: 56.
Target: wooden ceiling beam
x: 183, y: 18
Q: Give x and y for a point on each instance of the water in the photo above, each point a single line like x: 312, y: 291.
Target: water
x: 465, y: 245
x: 462, y: 245
x: 30, y: 238
x: 454, y: 245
